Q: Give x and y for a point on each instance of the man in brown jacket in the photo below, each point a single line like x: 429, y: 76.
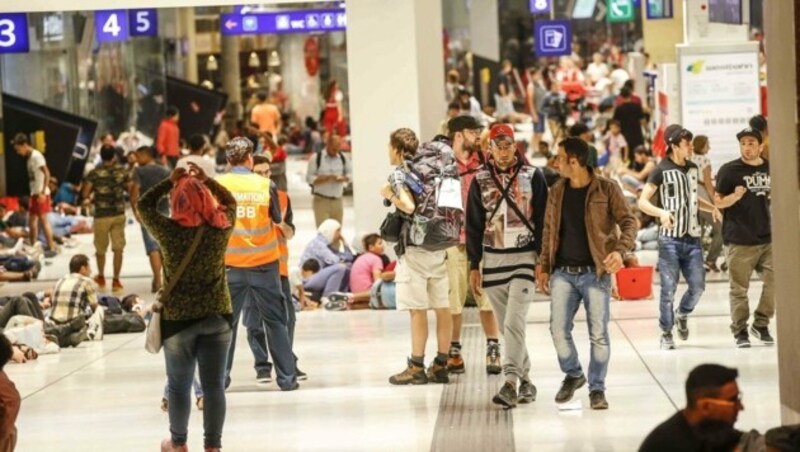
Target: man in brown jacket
x: 581, y: 248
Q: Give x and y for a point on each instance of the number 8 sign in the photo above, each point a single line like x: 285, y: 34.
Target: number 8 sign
x: 111, y: 25
x: 14, y: 33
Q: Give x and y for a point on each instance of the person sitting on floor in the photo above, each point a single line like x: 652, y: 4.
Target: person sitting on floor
x: 305, y: 301
x: 334, y: 256
x: 75, y: 297
x: 371, y: 284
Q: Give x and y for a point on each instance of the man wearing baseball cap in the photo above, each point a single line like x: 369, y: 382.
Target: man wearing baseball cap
x: 679, y: 246
x: 504, y: 218
x: 464, y: 136
x: 743, y: 192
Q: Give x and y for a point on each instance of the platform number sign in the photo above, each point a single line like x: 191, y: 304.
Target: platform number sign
x: 111, y: 25
x: 143, y: 22
x: 14, y: 33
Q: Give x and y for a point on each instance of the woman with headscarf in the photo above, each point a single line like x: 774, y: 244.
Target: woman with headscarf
x: 196, y: 319
x: 330, y: 250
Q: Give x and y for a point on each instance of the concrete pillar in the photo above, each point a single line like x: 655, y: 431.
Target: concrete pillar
x: 396, y: 80
x: 186, y: 22
x: 661, y: 35
x: 231, y: 77
x: 782, y: 44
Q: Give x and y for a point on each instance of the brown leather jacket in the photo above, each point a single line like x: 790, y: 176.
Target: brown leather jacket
x: 606, y: 209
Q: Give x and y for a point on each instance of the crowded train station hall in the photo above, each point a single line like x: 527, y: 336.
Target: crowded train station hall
x: 400, y: 225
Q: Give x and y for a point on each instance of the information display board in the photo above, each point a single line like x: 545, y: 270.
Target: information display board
x: 719, y: 94
x: 303, y: 21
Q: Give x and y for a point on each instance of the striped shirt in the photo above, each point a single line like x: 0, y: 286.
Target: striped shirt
x: 677, y: 192
x: 74, y: 295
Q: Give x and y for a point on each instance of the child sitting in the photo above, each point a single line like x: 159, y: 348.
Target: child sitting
x: 371, y: 284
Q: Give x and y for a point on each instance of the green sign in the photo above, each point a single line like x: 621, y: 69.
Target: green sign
x: 620, y: 11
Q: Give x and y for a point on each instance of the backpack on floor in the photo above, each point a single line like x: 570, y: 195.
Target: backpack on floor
x: 434, y: 182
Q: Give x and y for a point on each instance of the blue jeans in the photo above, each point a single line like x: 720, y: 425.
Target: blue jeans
x: 204, y: 344
x: 260, y: 288
x: 150, y: 244
x: 198, y: 388
x: 567, y: 291
x: 333, y: 278
x: 675, y: 256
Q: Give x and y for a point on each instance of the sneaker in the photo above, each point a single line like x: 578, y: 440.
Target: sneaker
x: 263, y: 376
x: 200, y: 403
x: 742, y: 339
x: 667, y: 342
x: 168, y: 446
x: 336, y: 305
x: 100, y: 281
x: 438, y: 373
x: 682, y: 322
x: 293, y: 387
x: 597, y: 400
x: 762, y: 333
x: 116, y: 286
x: 340, y: 296
x: 493, y: 363
x: 164, y: 404
x: 455, y: 363
x: 568, y: 388
x: 527, y: 392
x: 49, y: 254
x: 506, y: 396
x: 413, y: 375
x: 301, y: 376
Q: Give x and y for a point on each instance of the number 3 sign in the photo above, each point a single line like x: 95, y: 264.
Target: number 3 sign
x: 14, y: 33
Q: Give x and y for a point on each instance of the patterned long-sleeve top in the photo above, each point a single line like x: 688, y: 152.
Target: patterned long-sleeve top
x: 202, y: 290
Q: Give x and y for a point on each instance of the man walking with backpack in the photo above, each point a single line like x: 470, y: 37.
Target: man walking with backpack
x: 505, y: 217
x: 464, y: 134
x: 421, y: 275
x: 328, y: 173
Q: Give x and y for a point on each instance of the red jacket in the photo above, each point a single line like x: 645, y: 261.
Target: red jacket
x: 168, y: 141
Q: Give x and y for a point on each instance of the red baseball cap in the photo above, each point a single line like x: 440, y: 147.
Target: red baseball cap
x: 501, y: 131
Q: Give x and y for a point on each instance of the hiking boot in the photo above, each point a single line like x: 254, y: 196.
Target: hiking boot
x: 507, y: 396
x: 116, y: 286
x: 301, y: 376
x: 762, y: 333
x: 263, y: 376
x: 168, y: 446
x: 164, y: 404
x: 493, y: 363
x: 742, y: 339
x: 681, y: 321
x: 667, y: 342
x: 527, y: 392
x: 413, y: 375
x: 568, y: 388
x: 597, y: 400
x: 438, y: 373
x: 200, y: 404
x: 100, y: 281
x: 455, y: 363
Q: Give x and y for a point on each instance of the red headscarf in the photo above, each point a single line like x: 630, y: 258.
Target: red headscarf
x: 192, y: 204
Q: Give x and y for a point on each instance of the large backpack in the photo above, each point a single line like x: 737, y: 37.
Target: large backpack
x: 436, y: 186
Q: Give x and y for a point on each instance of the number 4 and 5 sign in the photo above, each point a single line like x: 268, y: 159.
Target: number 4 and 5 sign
x: 118, y: 24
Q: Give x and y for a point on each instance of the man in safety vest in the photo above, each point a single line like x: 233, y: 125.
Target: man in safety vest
x: 253, y: 258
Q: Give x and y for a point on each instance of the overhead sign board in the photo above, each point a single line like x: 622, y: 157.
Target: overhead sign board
x: 303, y: 21
x: 659, y: 9
x: 553, y: 37
x: 539, y: 6
x: 111, y: 25
x: 143, y: 22
x: 14, y: 33
x: 621, y: 11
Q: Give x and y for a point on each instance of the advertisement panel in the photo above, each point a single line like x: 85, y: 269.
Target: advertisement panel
x: 719, y: 94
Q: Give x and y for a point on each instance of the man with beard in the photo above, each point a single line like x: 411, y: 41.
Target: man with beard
x: 464, y: 135
x: 713, y: 403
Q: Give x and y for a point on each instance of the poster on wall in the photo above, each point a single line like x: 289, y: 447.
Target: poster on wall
x: 719, y: 94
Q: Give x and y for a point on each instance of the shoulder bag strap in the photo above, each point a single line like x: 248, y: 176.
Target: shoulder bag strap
x: 509, y: 202
x: 184, y: 263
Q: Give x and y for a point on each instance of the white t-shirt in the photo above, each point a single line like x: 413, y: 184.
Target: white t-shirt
x: 597, y: 71
x: 702, y: 162
x: 618, y: 78
x: 35, y: 175
x: 205, y: 164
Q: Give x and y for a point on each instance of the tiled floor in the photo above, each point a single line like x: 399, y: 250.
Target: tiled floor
x: 106, y: 395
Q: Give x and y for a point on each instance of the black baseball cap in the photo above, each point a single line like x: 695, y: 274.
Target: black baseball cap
x: 463, y: 122
x: 749, y: 132
x: 675, y: 133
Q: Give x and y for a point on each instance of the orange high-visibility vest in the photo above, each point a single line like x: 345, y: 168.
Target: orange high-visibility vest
x: 253, y: 242
x: 283, y: 244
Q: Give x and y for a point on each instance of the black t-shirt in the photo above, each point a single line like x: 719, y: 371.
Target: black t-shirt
x: 748, y: 222
x: 674, y: 435
x: 630, y: 115
x: 573, y: 249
